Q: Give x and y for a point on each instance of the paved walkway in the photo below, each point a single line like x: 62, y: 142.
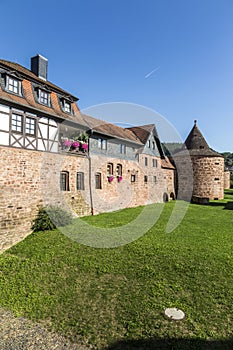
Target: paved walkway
x: 18, y: 333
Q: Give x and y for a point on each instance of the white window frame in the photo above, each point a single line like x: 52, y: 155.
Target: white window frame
x: 13, y: 85
x: 42, y: 99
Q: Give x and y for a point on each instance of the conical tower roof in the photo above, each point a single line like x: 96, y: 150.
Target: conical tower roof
x: 195, y: 139
x: 197, y: 145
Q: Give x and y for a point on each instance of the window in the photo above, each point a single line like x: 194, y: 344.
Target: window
x: 13, y: 85
x: 119, y: 170
x: 153, y: 144
x: 66, y: 105
x: 80, y: 181
x: 64, y: 181
x: 22, y: 124
x: 122, y: 148
x: 146, y: 161
x: 155, y: 179
x: 109, y: 169
x: 30, y: 126
x: 102, y: 143
x: 145, y: 178
x: 216, y: 178
x: 17, y: 123
x: 133, y: 178
x: 155, y: 163
x: 98, y: 185
x: 44, y: 97
x: 148, y: 143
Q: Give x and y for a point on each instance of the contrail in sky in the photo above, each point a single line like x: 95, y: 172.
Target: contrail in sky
x: 152, y: 72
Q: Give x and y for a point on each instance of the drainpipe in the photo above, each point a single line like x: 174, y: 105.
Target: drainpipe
x: 90, y: 185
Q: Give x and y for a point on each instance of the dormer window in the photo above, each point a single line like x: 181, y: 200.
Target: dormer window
x: 44, y: 97
x: 13, y: 85
x: 42, y: 94
x: 66, y: 105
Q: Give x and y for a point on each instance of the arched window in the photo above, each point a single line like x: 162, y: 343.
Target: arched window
x: 109, y: 169
x: 119, y: 170
x: 64, y: 181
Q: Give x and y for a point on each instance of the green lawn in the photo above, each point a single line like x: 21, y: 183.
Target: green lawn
x: 115, y: 298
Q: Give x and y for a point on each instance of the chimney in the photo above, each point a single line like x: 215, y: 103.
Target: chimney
x: 39, y: 66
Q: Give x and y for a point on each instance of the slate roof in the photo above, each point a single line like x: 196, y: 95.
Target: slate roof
x: 197, y: 145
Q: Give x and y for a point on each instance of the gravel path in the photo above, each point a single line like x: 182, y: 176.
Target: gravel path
x: 18, y: 333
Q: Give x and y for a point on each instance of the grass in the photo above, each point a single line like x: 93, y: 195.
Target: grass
x: 115, y: 298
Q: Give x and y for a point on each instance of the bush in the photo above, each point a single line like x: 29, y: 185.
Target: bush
x: 49, y: 218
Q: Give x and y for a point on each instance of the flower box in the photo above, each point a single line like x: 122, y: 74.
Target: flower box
x: 110, y: 178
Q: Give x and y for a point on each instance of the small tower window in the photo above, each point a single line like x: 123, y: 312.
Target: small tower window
x: 133, y: 178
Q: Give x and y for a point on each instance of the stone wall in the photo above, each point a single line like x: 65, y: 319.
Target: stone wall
x: 31, y: 179
x: 208, y: 175
x: 227, y: 179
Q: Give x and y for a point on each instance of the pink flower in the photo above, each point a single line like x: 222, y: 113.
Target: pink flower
x: 67, y: 143
x: 119, y: 178
x: 85, y: 146
x: 75, y: 144
x: 110, y: 178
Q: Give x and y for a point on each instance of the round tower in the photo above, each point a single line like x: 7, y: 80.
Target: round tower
x: 208, y: 166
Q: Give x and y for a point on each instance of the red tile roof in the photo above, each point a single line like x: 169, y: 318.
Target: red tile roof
x: 166, y: 164
x: 142, y: 132
x: 109, y: 129
x: 28, y: 101
x: 28, y: 74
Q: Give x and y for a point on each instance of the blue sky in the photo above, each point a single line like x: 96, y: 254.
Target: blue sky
x: 104, y: 51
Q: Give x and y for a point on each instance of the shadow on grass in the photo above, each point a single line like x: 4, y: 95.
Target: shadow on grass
x: 229, y: 206
x: 226, y: 206
x: 173, y: 344
x: 228, y: 192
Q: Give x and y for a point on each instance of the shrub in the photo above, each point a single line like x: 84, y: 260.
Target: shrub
x: 48, y: 218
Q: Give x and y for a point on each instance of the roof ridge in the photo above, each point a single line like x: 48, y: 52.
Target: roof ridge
x: 27, y: 72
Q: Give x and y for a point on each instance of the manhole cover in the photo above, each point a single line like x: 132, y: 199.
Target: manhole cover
x: 174, y: 313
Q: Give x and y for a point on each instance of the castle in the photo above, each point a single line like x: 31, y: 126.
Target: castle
x: 52, y: 154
